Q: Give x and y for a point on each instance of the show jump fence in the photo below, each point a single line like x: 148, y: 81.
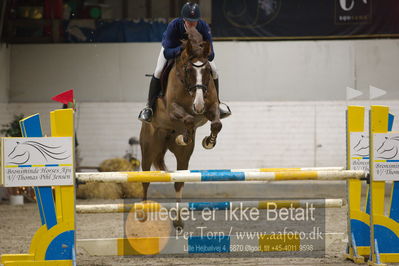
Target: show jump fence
x: 371, y: 231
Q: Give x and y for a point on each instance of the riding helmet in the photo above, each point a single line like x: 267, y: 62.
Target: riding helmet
x: 190, y: 12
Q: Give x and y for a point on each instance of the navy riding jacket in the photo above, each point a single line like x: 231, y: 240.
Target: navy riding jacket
x: 175, y: 32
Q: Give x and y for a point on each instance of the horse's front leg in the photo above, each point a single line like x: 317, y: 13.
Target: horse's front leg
x: 177, y: 112
x: 212, y: 115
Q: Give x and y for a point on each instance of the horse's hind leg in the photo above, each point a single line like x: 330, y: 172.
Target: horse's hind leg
x: 147, y: 153
x: 182, y: 155
x: 153, y: 149
x: 178, y: 223
x: 145, y: 166
x: 182, y: 164
x: 146, y: 162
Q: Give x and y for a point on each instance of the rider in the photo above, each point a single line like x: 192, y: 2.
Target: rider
x: 171, y: 47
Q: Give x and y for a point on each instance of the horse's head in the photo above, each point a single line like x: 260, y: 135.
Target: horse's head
x: 194, y: 70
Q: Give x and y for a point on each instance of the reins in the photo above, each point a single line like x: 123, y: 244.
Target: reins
x: 186, y: 83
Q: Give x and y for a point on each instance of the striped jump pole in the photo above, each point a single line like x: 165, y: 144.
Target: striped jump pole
x: 258, y: 169
x: 221, y: 205
x: 207, y: 176
x: 266, y: 169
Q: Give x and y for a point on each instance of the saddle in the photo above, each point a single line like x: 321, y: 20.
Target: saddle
x: 164, y: 76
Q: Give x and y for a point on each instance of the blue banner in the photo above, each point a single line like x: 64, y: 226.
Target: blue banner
x: 304, y: 19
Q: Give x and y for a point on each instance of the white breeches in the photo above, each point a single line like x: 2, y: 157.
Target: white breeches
x: 160, y: 64
x: 214, y: 70
x: 162, y: 61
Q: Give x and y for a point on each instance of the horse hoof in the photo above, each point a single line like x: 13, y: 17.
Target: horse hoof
x: 207, y: 144
x: 180, y: 140
x: 179, y: 229
x: 183, y: 141
x: 178, y: 225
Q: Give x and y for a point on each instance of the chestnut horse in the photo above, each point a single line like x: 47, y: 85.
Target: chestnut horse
x: 190, y: 100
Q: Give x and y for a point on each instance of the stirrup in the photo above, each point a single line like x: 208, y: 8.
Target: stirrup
x: 224, y: 110
x: 146, y: 114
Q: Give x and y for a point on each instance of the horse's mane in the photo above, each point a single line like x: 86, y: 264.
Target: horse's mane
x: 195, y: 45
x: 195, y: 39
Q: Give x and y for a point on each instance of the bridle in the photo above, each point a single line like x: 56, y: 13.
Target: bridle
x: 191, y: 89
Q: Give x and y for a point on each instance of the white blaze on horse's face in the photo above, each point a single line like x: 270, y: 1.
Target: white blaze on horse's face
x: 199, y: 104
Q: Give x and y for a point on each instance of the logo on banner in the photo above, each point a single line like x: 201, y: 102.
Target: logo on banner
x: 388, y: 150
x: 359, y: 151
x: 24, y: 152
x: 353, y: 11
x: 386, y: 156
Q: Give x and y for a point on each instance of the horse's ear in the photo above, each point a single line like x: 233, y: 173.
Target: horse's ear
x: 206, y: 49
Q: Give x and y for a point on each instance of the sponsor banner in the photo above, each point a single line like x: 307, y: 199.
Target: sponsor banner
x: 310, y: 19
x: 386, y: 156
x: 37, y: 161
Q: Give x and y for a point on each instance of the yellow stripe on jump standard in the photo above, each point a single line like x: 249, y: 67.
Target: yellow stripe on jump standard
x: 300, y: 175
x: 148, y: 177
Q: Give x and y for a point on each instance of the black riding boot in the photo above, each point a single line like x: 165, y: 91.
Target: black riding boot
x: 155, y: 89
x: 224, y: 109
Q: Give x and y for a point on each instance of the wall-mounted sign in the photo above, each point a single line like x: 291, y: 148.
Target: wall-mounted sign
x: 37, y: 161
x: 386, y: 156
